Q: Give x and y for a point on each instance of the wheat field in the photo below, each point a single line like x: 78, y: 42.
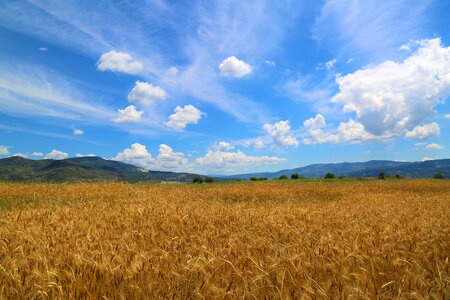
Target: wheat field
x: 289, y: 240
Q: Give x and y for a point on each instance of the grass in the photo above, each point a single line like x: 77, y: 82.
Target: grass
x: 230, y: 240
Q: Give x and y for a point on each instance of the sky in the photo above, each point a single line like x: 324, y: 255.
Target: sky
x: 225, y: 87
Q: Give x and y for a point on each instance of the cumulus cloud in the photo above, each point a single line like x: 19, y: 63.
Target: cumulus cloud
x: 280, y: 133
x: 37, y: 154
x: 222, y: 146
x: 4, y: 150
x: 56, y: 154
x: 270, y: 63
x: 128, y: 115
x: 226, y: 158
x: 433, y: 146
x: 20, y: 155
x: 167, y: 159
x: 234, y: 67
x: 43, y: 49
x: 144, y: 93
x: 183, y: 116
x: 78, y: 132
x: 447, y: 116
x: 317, y: 122
x: 117, y: 61
x: 423, y: 131
x: 392, y: 99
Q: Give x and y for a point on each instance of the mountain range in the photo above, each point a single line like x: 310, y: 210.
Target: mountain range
x: 80, y: 169
x: 19, y: 169
x: 423, y: 169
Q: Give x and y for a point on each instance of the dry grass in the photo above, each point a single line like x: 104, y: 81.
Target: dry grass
x: 243, y: 240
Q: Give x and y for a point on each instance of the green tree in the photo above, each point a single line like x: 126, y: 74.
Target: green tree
x: 295, y: 176
x: 283, y: 177
x: 197, y: 179
x: 438, y: 176
x: 382, y: 176
x: 329, y: 176
x: 209, y: 180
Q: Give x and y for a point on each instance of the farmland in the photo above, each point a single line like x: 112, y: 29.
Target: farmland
x: 324, y: 239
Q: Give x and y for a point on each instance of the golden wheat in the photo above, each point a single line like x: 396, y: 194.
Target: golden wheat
x: 241, y: 240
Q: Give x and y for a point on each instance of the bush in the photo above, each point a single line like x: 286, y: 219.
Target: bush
x: 197, y: 179
x: 398, y: 176
x: 342, y: 177
x: 329, y: 176
x: 209, y: 180
x: 382, y: 176
x: 253, y: 178
x: 257, y: 179
x: 438, y: 176
x: 295, y: 176
x: 283, y: 177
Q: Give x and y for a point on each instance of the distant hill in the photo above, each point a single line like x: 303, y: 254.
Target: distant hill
x: 80, y: 169
x: 424, y: 169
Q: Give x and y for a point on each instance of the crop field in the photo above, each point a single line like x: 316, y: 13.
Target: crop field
x: 253, y: 240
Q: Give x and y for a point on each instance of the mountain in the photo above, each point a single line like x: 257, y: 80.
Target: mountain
x: 424, y: 169
x: 80, y: 169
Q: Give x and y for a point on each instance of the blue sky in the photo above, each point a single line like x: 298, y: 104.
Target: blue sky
x: 225, y: 87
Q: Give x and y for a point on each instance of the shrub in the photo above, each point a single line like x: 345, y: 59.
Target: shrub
x: 398, y: 176
x: 209, y: 180
x: 382, y: 176
x: 438, y: 176
x: 197, y: 179
x: 342, y: 177
x: 329, y: 176
x: 253, y: 178
x: 295, y: 176
x: 283, y: 177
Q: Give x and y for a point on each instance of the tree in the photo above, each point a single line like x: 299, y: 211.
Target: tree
x: 295, y: 176
x: 398, y: 176
x: 438, y: 176
x: 329, y: 176
x: 382, y: 176
x: 342, y: 177
x: 209, y: 180
x: 197, y: 179
x: 283, y: 177
x: 253, y: 178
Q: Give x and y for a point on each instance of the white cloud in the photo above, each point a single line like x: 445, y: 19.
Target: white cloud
x: 270, y: 63
x: 330, y: 64
x: 172, y: 71
x: 20, y: 155
x: 280, y: 133
x: 393, y: 98
x: 137, y: 154
x: 447, y: 116
x: 145, y: 93
x: 234, y: 67
x: 434, y: 146
x: 117, y: 61
x: 423, y: 131
x: 43, y: 49
x: 56, y: 154
x: 258, y: 143
x: 85, y: 155
x: 317, y: 122
x: 167, y: 159
x: 225, y: 158
x: 405, y: 48
x: 183, y: 116
x: 37, y: 154
x: 4, y: 150
x: 128, y: 115
x: 78, y: 132
x: 222, y: 146
x: 349, y: 61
